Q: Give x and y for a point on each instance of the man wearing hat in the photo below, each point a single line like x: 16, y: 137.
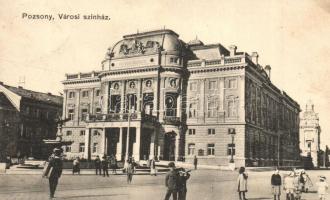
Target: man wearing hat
x: 289, y: 186
x: 55, y: 163
x: 171, y: 180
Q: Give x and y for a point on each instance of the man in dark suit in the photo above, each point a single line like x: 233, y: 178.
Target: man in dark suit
x: 182, y: 183
x: 55, y: 164
x: 105, y: 163
x: 171, y: 181
x: 97, y: 163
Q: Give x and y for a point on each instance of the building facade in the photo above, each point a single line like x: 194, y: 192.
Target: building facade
x: 157, y: 96
x: 26, y: 118
x: 310, y: 131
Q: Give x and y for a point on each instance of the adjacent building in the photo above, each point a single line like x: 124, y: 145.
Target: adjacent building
x: 26, y: 118
x: 157, y: 96
x: 310, y: 131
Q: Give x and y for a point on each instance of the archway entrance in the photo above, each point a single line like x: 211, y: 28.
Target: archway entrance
x: 169, y: 146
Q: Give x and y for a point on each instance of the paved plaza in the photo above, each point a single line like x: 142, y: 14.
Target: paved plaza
x: 203, y: 185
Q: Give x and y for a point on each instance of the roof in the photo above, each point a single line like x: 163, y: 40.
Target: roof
x: 39, y: 96
x: 5, y: 103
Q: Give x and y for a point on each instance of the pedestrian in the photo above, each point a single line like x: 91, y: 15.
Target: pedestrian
x: 55, y: 171
x: 289, y: 186
x: 182, y: 183
x: 152, y: 165
x: 322, y: 187
x: 76, y: 166
x: 171, y: 180
x: 242, y: 183
x: 276, y: 182
x: 307, y: 183
x: 113, y: 164
x: 130, y: 169
x: 105, y: 163
x: 299, y: 184
x: 97, y: 163
x: 195, y: 162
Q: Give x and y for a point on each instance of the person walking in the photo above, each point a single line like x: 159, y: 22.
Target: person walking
x: 55, y: 171
x: 130, y: 171
x: 242, y: 183
x: 152, y: 165
x: 76, y: 166
x: 97, y: 163
x: 105, y: 163
x: 171, y: 181
x: 276, y: 182
x: 182, y: 183
x: 289, y: 186
x: 195, y: 162
x: 322, y: 187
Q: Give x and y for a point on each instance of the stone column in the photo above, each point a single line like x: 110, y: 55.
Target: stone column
x: 122, y: 97
x: 136, y: 146
x: 155, y: 102
x: 162, y: 99
x: 177, y: 146
x: 119, y: 144
x: 103, y: 143
x: 87, y: 144
x: 77, y: 108
x: 65, y: 96
x: 91, y: 106
x: 138, y: 98
x: 178, y: 108
x: 152, y: 145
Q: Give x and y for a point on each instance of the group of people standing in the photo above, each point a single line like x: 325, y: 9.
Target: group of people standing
x: 295, y: 183
x: 103, y: 164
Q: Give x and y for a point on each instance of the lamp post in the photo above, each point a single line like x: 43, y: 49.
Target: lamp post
x: 128, y: 127
x: 232, y: 132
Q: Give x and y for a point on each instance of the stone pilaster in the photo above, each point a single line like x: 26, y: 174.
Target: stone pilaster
x: 119, y: 144
x: 136, y: 146
x: 87, y: 144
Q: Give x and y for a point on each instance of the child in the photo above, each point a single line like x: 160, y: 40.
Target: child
x: 322, y: 186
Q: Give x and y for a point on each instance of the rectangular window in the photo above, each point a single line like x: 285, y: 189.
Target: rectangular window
x: 85, y: 94
x: 82, y: 132
x: 96, y: 133
x: 232, y: 111
x: 193, y: 86
x: 84, y: 113
x: 211, y: 131
x: 193, y: 110
x: 71, y: 114
x: 191, y: 149
x: 210, y: 149
x: 68, y: 133
x: 98, y: 110
x: 98, y: 92
x: 95, y: 147
x: 71, y: 95
x: 68, y: 148
x: 212, y: 109
x: 81, y: 147
x: 191, y: 131
x: 232, y: 83
x: 231, y: 149
x: 212, y: 85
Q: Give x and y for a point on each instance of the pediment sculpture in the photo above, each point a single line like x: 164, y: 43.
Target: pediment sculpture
x: 137, y: 47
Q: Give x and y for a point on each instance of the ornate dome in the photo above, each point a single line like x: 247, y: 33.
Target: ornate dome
x: 147, y: 42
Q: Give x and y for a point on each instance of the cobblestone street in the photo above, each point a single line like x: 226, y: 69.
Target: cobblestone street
x: 203, y: 185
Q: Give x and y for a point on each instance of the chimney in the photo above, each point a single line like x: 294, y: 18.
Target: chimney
x: 49, y: 93
x: 254, y: 57
x: 1, y: 83
x: 232, y: 49
x: 20, y: 87
x: 268, y: 69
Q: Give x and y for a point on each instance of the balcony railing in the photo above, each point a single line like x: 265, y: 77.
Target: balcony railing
x: 117, y: 117
x: 173, y: 120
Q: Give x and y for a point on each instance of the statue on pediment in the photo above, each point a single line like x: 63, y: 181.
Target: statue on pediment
x: 124, y: 49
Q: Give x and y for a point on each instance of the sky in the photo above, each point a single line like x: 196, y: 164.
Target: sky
x: 292, y: 36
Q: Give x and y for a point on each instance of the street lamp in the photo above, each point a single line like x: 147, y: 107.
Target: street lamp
x: 232, y: 132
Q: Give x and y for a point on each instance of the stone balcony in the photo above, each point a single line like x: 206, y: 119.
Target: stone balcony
x: 121, y: 117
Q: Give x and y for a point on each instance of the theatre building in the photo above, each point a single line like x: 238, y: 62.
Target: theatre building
x: 159, y: 97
